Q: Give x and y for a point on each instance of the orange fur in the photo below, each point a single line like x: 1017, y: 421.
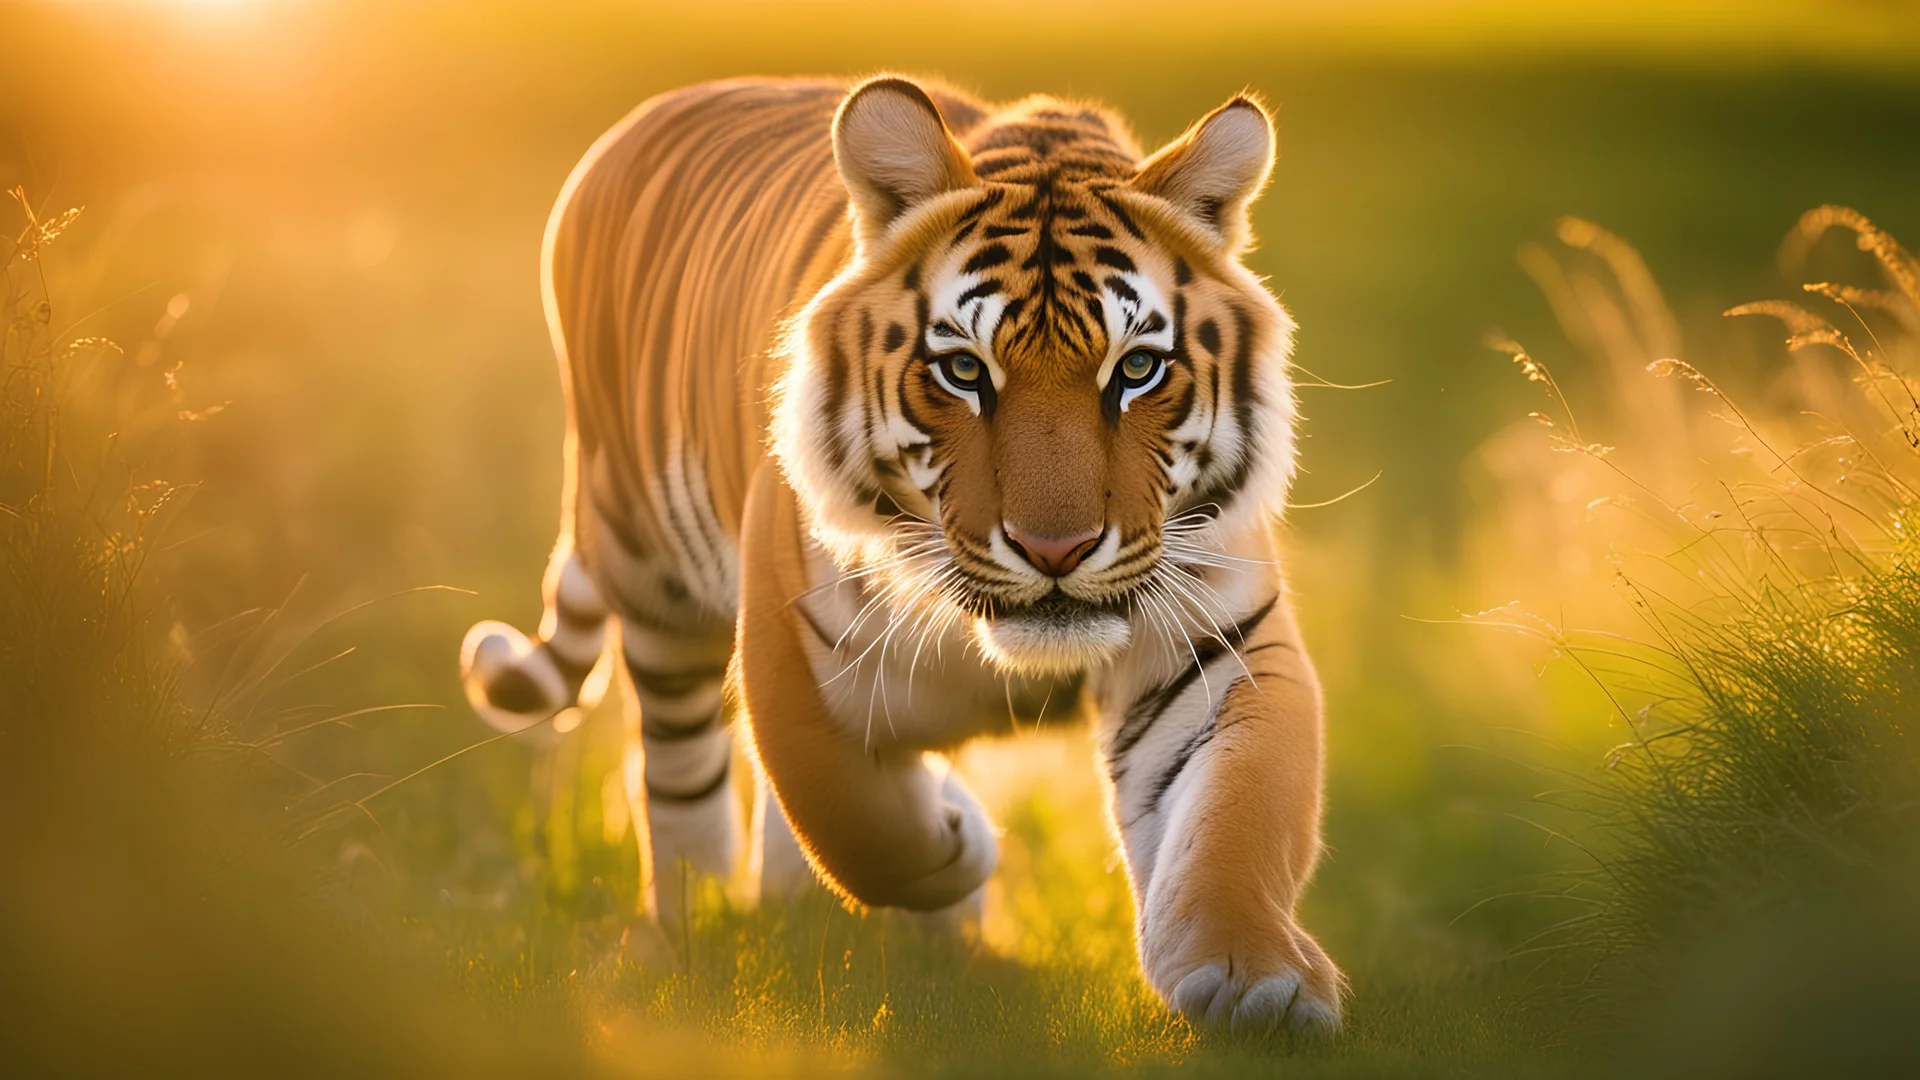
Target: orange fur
x: 929, y: 412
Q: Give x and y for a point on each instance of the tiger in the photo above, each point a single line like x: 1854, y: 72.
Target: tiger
x: 897, y: 419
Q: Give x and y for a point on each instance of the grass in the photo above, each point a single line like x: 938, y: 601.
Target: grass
x: 315, y: 231
x: 1750, y: 839
x: 155, y: 919
x: 1054, y: 991
x: 180, y: 866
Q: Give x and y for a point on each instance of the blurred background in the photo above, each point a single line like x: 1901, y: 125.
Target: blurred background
x: 313, y: 230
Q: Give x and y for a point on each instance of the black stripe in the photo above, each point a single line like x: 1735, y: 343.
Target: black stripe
x: 1265, y: 645
x: 1185, y: 408
x: 985, y: 288
x: 1147, y: 709
x: 1208, y: 334
x: 638, y: 611
x: 831, y: 404
x: 573, y: 673
x: 692, y: 541
x: 1120, y: 214
x: 616, y: 522
x: 871, y: 403
x: 907, y: 412
x: 1132, y: 554
x: 1181, y: 759
x: 657, y: 731
x: 984, y: 167
x: 654, y: 793
x: 514, y: 691
x: 1224, y: 489
x: 575, y: 619
x: 1246, y: 397
x: 1191, y: 749
x: 987, y: 258
x: 986, y: 202
x: 669, y: 684
x: 916, y: 362
x: 819, y: 631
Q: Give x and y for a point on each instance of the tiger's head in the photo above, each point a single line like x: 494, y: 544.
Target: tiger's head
x: 1045, y: 379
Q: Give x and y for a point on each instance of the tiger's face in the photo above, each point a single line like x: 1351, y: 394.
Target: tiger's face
x: 1046, y: 384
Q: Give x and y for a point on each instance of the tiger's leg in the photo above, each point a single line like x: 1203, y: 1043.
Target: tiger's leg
x: 1216, y: 779
x: 515, y: 683
x: 887, y: 827
x: 686, y: 743
x: 783, y: 874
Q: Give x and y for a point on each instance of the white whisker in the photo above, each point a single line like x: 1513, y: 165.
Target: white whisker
x: 1155, y: 589
x: 1198, y: 592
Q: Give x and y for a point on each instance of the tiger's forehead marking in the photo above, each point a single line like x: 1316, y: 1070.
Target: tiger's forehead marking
x: 1059, y: 286
x: 963, y: 311
x: 1136, y: 315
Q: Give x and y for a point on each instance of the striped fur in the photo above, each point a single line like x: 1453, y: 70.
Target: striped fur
x: 920, y: 418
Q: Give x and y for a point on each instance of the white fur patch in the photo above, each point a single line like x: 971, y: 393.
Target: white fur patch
x: 1043, y: 645
x: 1127, y: 318
x: 977, y: 319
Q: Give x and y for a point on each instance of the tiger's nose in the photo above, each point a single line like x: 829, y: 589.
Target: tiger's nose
x: 1055, y: 556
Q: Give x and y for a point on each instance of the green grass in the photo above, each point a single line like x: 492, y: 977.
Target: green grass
x: 153, y: 919
x: 345, y: 207
x: 811, y: 981
x: 1769, y: 788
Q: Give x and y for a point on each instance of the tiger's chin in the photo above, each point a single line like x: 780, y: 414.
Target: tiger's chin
x: 1056, y: 635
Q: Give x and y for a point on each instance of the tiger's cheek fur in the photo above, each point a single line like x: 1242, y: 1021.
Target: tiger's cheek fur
x: 970, y: 497
x: 1232, y: 450
x: 1144, y: 451
x: 844, y: 431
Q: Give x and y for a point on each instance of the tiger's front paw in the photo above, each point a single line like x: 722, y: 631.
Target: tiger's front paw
x: 1251, y: 980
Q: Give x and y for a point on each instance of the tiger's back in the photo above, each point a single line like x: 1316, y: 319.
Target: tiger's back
x: 680, y: 243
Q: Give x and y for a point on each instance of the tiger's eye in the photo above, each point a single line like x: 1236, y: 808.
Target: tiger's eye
x: 1138, y: 366
x: 964, y: 366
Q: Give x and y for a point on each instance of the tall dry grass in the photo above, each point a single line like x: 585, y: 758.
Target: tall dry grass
x: 154, y: 919
x: 1752, y: 841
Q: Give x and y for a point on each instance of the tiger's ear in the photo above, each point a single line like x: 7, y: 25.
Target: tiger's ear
x: 894, y: 152
x: 1212, y: 173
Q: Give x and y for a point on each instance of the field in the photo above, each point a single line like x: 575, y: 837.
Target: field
x: 312, y: 233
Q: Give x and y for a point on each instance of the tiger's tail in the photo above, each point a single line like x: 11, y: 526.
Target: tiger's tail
x: 515, y: 683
